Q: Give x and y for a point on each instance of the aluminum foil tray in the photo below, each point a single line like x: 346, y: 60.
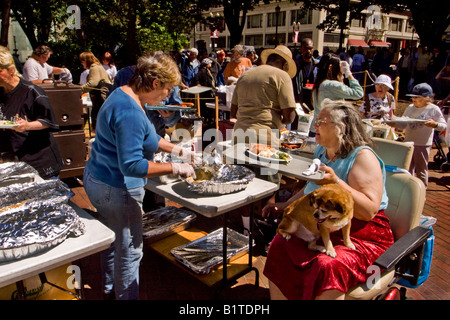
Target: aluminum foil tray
x: 163, y: 222
x: 16, y: 172
x: 206, y: 253
x: 226, y: 179
x: 163, y: 157
x: 20, y: 193
x: 36, y: 227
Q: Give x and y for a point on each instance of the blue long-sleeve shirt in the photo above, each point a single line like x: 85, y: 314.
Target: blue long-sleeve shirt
x: 124, y: 142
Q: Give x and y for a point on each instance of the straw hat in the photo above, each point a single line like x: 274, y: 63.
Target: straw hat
x: 283, y: 52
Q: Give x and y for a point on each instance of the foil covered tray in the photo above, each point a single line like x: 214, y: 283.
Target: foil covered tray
x: 16, y: 172
x: 36, y: 227
x: 206, y: 253
x: 163, y: 222
x: 20, y: 193
x: 224, y: 179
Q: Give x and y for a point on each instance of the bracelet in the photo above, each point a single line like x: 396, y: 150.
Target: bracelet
x: 337, y: 181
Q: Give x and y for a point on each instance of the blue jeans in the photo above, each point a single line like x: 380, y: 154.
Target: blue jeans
x: 121, y: 211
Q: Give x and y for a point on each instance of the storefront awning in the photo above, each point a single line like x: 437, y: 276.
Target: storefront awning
x: 375, y: 43
x: 357, y: 43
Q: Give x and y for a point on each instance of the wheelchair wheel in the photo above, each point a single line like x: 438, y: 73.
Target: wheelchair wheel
x: 439, y: 159
x: 445, y: 166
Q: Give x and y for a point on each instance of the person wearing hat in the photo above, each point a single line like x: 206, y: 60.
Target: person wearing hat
x: 263, y: 101
x: 262, y: 104
x: 237, y: 66
x: 379, y: 104
x: 421, y: 133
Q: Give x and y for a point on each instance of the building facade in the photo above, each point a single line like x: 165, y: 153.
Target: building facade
x: 279, y: 22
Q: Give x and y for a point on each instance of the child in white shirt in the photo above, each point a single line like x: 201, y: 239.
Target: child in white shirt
x: 421, y: 133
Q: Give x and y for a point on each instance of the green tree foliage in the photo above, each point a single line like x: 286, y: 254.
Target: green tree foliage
x: 126, y: 28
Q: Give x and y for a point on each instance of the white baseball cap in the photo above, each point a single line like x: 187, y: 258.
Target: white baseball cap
x: 385, y: 80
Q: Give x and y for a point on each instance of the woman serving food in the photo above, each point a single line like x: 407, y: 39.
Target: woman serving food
x: 121, y: 160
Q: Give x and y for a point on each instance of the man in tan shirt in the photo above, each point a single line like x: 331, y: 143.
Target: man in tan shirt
x: 263, y: 101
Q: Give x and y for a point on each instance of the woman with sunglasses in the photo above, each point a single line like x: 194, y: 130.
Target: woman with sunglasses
x: 345, y: 150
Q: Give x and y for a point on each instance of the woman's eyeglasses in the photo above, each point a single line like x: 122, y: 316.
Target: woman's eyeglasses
x: 319, y: 122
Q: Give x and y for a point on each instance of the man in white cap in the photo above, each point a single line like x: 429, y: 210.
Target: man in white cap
x: 379, y: 104
x: 263, y: 101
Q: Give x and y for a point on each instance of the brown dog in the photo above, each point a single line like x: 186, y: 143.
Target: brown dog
x: 326, y: 209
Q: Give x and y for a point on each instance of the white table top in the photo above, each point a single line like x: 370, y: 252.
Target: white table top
x: 196, y: 90
x: 211, y: 206
x: 236, y: 154
x: 96, y: 238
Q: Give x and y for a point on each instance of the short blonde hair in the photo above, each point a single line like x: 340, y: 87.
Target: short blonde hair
x: 7, y: 60
x: 152, y: 66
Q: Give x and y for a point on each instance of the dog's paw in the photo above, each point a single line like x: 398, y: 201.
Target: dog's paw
x: 316, y: 247
x: 285, y: 235
x: 331, y: 253
x: 350, y: 246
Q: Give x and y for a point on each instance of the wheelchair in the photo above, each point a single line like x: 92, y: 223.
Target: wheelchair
x: 403, y: 260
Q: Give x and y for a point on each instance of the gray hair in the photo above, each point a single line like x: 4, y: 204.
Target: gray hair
x: 239, y: 48
x: 152, y: 66
x: 349, y: 126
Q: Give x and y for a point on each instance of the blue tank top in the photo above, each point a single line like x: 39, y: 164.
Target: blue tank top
x: 342, y: 167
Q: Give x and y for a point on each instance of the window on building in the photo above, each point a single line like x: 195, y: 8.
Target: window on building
x: 254, y: 21
x: 301, y: 16
x: 272, y: 19
x: 409, y: 26
x: 271, y: 39
x: 255, y: 40
x: 358, y: 23
x: 395, y: 24
x: 330, y: 37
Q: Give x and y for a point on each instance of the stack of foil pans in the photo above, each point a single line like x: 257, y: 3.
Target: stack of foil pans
x: 34, y: 217
x: 166, y: 221
x: 206, y: 253
x: 16, y: 172
x: 19, y: 193
x: 226, y: 179
x: 36, y: 227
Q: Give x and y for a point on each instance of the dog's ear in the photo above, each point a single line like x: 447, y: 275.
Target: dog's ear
x: 312, y: 198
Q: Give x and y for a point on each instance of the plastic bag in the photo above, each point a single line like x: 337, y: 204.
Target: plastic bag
x: 425, y: 222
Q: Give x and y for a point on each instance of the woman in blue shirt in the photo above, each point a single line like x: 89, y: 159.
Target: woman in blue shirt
x: 121, y: 160
x: 344, y: 148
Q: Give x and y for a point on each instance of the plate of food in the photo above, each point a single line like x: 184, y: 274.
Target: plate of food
x: 5, y: 124
x: 266, y: 153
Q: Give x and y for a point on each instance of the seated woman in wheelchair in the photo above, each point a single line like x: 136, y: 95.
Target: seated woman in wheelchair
x: 345, y: 150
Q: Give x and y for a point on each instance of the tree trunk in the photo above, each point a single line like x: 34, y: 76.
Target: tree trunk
x: 131, y: 42
x: 231, y: 11
x: 6, y: 13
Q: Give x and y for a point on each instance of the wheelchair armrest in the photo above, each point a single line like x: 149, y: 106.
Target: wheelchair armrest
x: 403, y: 247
